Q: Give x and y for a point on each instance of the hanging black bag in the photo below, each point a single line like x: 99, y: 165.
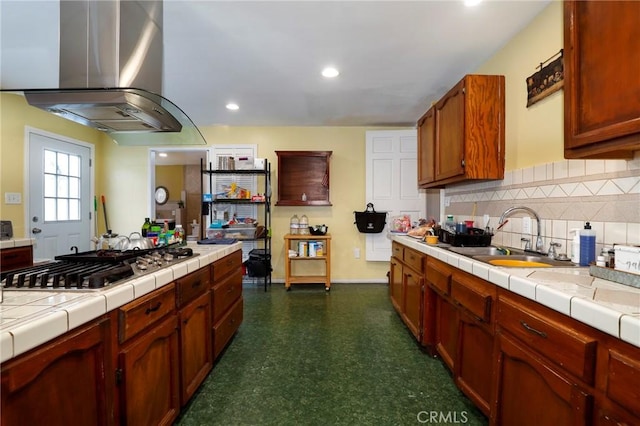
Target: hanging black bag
x: 370, y: 221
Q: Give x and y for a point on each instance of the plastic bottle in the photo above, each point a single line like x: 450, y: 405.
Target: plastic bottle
x: 179, y: 235
x: 146, y: 226
x: 575, y: 245
x: 304, y: 225
x: 294, y: 224
x: 587, y: 245
x: 450, y: 225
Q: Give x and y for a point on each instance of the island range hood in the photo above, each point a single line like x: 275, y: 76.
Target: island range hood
x: 111, y: 74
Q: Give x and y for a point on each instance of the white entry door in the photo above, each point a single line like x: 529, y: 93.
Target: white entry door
x: 392, y: 183
x: 60, y: 202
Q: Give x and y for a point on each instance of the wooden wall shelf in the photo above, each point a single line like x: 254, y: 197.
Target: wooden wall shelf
x: 303, y: 172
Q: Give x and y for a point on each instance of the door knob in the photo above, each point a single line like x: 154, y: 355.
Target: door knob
x: 36, y: 230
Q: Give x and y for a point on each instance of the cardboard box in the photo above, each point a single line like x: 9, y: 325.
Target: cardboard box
x: 259, y: 163
x: 627, y: 258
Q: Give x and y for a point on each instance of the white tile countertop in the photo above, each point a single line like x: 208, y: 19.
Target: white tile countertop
x: 31, y: 318
x: 17, y: 242
x: 608, y: 306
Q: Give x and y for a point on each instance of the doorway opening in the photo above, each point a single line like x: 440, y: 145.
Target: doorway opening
x: 175, y: 176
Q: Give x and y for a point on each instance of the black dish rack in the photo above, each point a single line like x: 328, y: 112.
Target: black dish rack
x: 474, y: 237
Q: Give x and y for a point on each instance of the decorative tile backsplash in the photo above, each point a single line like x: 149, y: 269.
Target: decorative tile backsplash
x: 565, y: 194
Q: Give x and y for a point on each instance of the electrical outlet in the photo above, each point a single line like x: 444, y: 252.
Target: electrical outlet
x: 447, y: 201
x: 12, y: 198
x: 526, y: 225
x: 356, y: 252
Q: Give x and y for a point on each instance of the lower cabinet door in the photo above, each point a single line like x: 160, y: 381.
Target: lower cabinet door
x: 530, y: 391
x: 412, y: 314
x: 65, y: 382
x: 195, y: 345
x: 446, y: 332
x: 475, y: 362
x: 224, y: 329
x: 395, y: 285
x: 148, y: 368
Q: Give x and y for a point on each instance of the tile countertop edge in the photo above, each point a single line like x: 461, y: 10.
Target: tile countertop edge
x: 621, y: 325
x: 67, y: 316
x: 17, y: 242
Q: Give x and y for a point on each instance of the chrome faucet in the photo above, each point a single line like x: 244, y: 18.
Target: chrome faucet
x: 502, y: 222
x: 552, y: 250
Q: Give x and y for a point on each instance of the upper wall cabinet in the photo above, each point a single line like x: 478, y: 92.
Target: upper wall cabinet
x: 462, y: 136
x: 602, y: 79
x: 303, y: 178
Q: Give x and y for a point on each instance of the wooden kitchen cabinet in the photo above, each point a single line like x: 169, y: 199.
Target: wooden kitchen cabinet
x: 602, y: 79
x: 226, y: 293
x: 64, y: 382
x: 413, y: 287
x: 464, y: 133
x: 396, y: 292
x: 407, y: 291
x: 427, y: 147
x: 445, y: 326
x: 16, y: 257
x: 531, y: 391
x: 303, y: 178
x: 196, y: 356
x: 476, y: 329
x: 148, y: 361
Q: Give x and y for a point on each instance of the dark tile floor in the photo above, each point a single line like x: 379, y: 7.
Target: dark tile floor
x: 307, y: 357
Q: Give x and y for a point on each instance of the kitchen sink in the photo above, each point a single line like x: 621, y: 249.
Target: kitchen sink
x: 481, y: 251
x: 523, y: 261
x: 510, y: 257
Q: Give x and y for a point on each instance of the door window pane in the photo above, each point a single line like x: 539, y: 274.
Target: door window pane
x: 62, y: 183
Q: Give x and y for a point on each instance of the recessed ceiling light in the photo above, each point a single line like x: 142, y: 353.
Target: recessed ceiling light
x: 330, y: 72
x: 233, y: 107
x: 470, y: 3
x: 162, y: 154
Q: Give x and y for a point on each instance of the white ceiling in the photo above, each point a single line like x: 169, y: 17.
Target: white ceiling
x: 395, y: 57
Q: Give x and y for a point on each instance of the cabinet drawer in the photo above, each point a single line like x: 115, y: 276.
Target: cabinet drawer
x: 226, y: 327
x: 397, y: 250
x: 439, y: 276
x: 141, y: 313
x: 227, y: 264
x: 473, y: 294
x: 623, y: 379
x: 572, y: 350
x: 413, y: 259
x: 191, y: 286
x: 225, y: 293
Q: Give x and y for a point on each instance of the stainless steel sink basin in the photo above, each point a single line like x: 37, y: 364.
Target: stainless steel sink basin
x: 509, y: 257
x: 523, y: 261
x: 481, y: 251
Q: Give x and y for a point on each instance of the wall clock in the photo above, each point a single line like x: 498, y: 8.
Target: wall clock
x: 162, y: 195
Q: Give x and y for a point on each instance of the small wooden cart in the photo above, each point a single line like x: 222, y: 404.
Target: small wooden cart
x: 291, y: 242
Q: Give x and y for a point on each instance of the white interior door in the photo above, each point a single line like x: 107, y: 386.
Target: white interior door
x: 392, y: 183
x: 60, y: 199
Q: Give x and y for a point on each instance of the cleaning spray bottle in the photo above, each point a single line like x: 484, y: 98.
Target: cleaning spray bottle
x: 587, y: 245
x: 575, y: 245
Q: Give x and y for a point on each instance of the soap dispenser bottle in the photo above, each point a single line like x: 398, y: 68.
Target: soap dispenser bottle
x: 575, y: 245
x: 587, y: 245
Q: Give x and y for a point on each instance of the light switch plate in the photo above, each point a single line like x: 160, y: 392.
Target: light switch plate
x: 12, y: 198
x: 526, y: 225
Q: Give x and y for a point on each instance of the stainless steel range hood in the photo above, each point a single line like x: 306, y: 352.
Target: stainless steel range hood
x: 111, y: 74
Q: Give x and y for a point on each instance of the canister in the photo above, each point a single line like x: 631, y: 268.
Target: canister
x: 302, y: 248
